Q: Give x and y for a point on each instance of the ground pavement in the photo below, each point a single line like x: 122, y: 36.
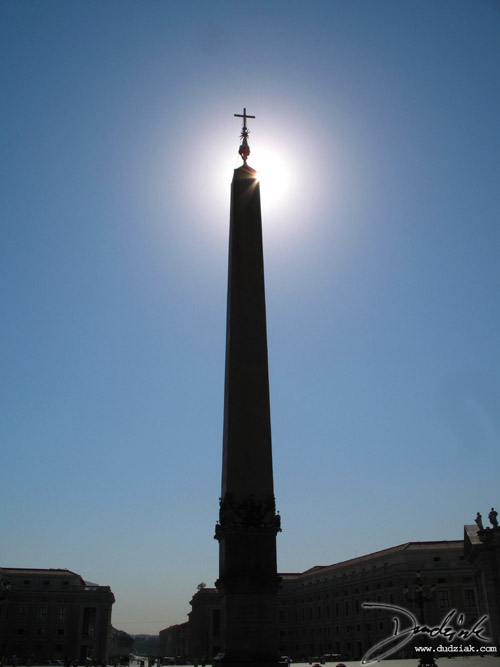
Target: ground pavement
x: 471, y: 661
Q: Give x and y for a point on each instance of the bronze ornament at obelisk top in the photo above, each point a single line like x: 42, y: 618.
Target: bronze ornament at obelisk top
x: 248, y: 522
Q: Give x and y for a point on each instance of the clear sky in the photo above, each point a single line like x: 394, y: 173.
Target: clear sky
x: 382, y: 276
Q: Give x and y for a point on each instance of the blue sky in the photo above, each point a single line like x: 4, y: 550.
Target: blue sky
x: 382, y: 278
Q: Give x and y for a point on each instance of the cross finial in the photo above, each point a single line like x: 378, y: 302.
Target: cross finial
x: 244, y: 149
x: 244, y: 115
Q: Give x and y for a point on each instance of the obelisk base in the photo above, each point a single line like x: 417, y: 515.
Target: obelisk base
x: 249, y: 618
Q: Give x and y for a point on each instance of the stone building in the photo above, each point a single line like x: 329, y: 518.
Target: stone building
x: 320, y: 611
x: 175, y: 641
x: 482, y: 550
x: 121, y: 645
x: 50, y: 614
x: 205, y: 625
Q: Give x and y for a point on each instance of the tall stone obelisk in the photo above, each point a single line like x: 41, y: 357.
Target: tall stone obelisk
x: 248, y: 522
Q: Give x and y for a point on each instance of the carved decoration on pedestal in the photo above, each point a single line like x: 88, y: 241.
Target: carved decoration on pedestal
x: 248, y: 513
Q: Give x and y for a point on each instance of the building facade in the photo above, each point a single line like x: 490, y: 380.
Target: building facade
x: 205, y: 625
x: 175, y: 642
x: 121, y: 646
x: 320, y: 611
x: 482, y: 550
x: 50, y: 614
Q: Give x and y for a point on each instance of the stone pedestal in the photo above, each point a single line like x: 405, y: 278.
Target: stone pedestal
x: 249, y: 615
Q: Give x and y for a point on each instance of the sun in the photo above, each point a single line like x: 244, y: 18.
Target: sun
x: 273, y: 175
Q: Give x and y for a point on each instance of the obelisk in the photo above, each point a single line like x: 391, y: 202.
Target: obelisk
x: 248, y: 523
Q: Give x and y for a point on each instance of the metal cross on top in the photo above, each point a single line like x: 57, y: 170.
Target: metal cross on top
x: 244, y: 115
x: 244, y: 149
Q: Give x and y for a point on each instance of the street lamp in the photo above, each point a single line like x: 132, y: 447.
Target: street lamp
x: 419, y: 596
x: 420, y: 599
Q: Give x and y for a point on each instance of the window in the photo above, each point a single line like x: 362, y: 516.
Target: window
x: 60, y: 632
x: 62, y: 614
x: 42, y: 613
x: 444, y: 600
x: 437, y: 559
x: 21, y: 613
x: 89, y: 618
x: 470, y: 600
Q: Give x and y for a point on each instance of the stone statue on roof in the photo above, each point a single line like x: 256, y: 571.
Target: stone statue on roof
x: 492, y: 516
x: 479, y: 521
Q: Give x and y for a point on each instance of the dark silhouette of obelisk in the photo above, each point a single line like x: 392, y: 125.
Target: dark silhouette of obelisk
x: 248, y: 522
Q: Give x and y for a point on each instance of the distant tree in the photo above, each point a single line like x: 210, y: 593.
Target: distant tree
x: 125, y: 640
x: 147, y: 644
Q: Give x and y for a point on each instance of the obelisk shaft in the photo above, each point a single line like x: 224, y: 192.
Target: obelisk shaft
x: 247, y: 456
x: 248, y: 522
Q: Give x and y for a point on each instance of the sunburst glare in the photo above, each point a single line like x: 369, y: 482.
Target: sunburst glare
x: 274, y: 176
